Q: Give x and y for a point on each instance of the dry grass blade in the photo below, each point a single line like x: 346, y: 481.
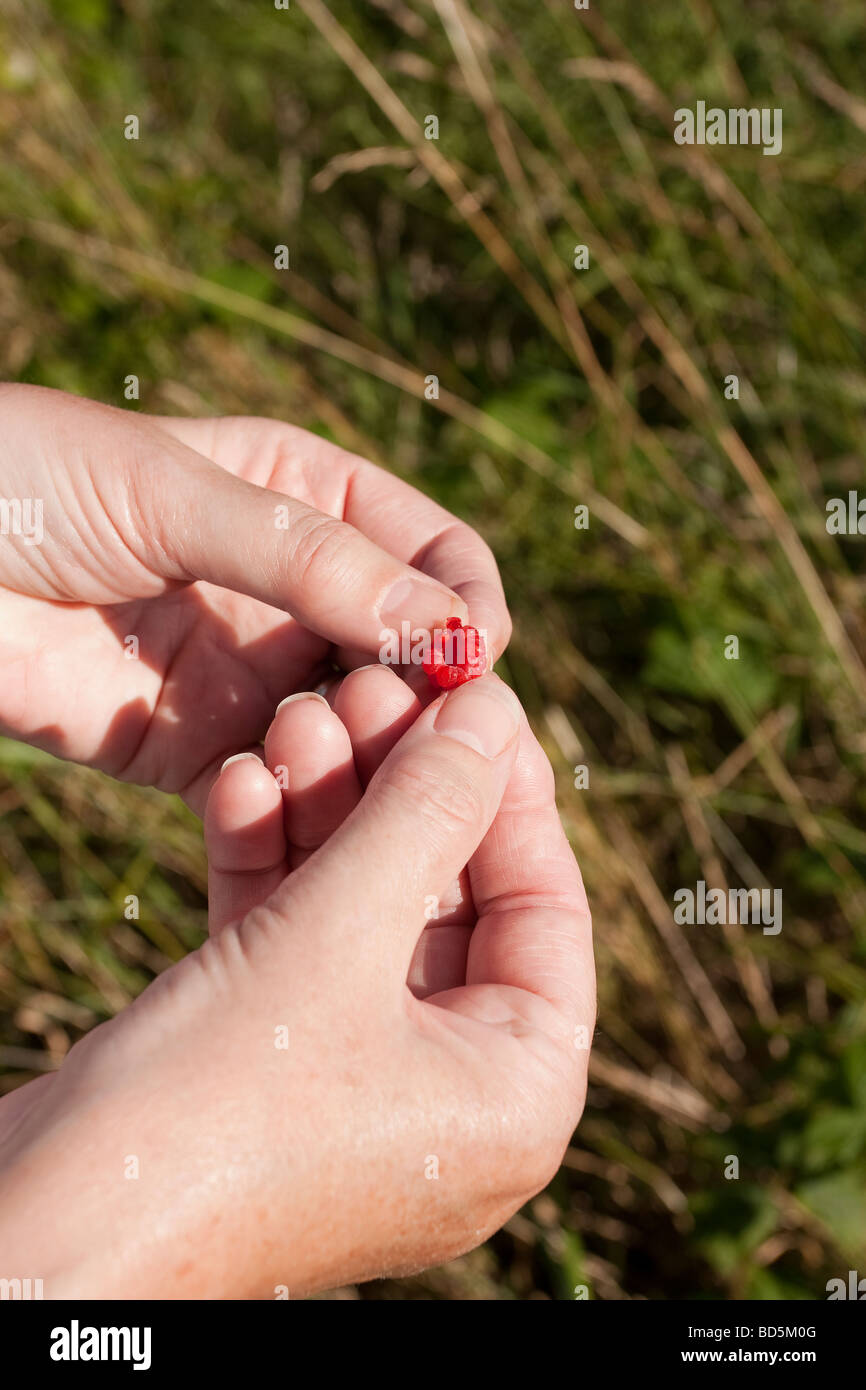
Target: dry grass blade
x: 714, y: 875
x: 822, y: 85
x: 358, y: 161
x: 660, y: 912
x: 676, y: 1099
x: 167, y: 277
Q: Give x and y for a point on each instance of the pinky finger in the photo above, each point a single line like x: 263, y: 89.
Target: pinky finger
x: 244, y: 838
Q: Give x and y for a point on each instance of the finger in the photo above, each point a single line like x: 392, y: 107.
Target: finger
x: 459, y: 555
x: 439, y: 959
x: 351, y: 658
x: 423, y: 814
x: 309, y: 752
x: 244, y: 839
x: 197, y: 792
x: 275, y: 548
x: 430, y: 538
x: 534, y: 928
x: 377, y: 708
x: 389, y: 512
x: 327, y: 687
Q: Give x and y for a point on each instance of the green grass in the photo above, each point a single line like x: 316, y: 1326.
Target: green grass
x: 558, y: 387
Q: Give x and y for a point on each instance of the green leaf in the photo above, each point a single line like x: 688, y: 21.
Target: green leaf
x: 839, y: 1200
x: 833, y: 1136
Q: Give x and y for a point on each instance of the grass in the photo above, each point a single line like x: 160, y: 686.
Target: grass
x: 559, y: 388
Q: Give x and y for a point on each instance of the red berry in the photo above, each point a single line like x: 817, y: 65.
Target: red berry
x: 458, y: 654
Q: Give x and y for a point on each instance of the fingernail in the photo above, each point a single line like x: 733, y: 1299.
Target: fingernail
x: 239, y: 758
x: 482, y: 714
x: 301, y: 695
x: 421, y: 603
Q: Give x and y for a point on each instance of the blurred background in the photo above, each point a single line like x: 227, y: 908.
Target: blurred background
x: 559, y: 387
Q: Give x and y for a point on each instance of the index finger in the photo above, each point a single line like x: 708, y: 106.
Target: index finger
x: 396, y: 516
x: 421, y: 533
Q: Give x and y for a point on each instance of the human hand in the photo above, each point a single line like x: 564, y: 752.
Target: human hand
x: 165, y: 530
x: 390, y: 1132
x: 270, y: 810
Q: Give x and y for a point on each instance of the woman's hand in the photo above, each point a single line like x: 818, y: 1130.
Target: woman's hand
x: 279, y: 1110
x: 271, y: 809
x: 170, y: 532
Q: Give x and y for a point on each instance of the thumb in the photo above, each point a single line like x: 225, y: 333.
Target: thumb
x: 422, y: 817
x: 208, y: 524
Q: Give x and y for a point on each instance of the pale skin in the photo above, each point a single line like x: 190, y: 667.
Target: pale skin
x: 167, y: 529
x: 430, y: 1078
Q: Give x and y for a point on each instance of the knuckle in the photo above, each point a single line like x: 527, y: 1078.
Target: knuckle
x: 321, y: 548
x: 442, y: 795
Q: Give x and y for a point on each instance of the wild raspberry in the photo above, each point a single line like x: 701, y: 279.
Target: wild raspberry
x: 458, y: 654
